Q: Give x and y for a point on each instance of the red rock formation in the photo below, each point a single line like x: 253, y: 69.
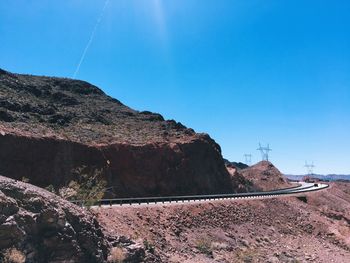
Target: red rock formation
x: 152, y: 169
x: 50, y: 126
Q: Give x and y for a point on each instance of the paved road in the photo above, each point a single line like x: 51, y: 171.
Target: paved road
x: 300, y: 187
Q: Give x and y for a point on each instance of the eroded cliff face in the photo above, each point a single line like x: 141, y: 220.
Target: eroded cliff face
x: 130, y: 170
x: 159, y: 169
x: 51, y: 126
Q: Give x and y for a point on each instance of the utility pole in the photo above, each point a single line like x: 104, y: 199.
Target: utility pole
x: 248, y: 159
x: 264, y: 151
x: 309, y: 168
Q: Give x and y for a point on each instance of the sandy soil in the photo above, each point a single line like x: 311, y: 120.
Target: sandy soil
x: 305, y: 228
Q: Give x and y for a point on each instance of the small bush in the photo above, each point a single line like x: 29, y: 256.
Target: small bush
x: 204, y: 245
x: 25, y: 179
x: 117, y: 255
x: 50, y: 188
x: 247, y: 256
x: 148, y: 246
x: 13, y: 255
x: 89, y: 186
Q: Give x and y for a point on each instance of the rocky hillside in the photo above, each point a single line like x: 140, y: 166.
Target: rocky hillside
x: 265, y: 176
x: 38, y: 226
x: 51, y: 126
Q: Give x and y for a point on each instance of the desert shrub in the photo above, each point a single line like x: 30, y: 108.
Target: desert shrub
x: 89, y: 186
x: 67, y: 192
x: 117, y: 255
x: 204, y: 245
x: 220, y: 246
x: 25, y: 179
x: 148, y: 246
x: 247, y: 256
x: 12, y: 255
x: 50, y: 188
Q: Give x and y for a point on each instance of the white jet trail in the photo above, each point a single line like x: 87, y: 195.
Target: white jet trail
x: 90, y: 39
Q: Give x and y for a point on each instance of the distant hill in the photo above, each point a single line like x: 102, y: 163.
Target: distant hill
x: 328, y: 177
x: 263, y: 176
x: 238, y: 165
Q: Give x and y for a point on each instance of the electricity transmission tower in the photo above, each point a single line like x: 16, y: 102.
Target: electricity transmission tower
x: 248, y: 159
x: 309, y: 168
x: 264, y: 152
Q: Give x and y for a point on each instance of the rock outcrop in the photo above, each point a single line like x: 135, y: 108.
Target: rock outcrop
x: 46, y: 228
x: 51, y: 126
x: 238, y: 181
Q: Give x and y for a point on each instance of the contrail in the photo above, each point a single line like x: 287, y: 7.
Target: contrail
x: 90, y: 39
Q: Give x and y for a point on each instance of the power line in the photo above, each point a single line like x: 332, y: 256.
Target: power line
x: 264, y: 151
x: 248, y: 159
x: 309, y: 168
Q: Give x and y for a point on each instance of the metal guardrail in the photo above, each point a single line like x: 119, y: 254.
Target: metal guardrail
x: 188, y: 198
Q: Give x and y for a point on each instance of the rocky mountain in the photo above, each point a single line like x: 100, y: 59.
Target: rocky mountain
x: 265, y: 176
x: 51, y: 126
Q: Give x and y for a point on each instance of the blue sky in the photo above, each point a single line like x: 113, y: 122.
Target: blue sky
x: 243, y: 71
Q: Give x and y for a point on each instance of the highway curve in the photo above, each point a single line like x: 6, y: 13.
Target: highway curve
x: 301, y: 188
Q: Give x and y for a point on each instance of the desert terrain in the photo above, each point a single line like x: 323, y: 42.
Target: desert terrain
x: 312, y: 227
x: 63, y: 140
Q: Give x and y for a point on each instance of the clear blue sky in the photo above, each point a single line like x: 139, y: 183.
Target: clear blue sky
x: 277, y: 72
